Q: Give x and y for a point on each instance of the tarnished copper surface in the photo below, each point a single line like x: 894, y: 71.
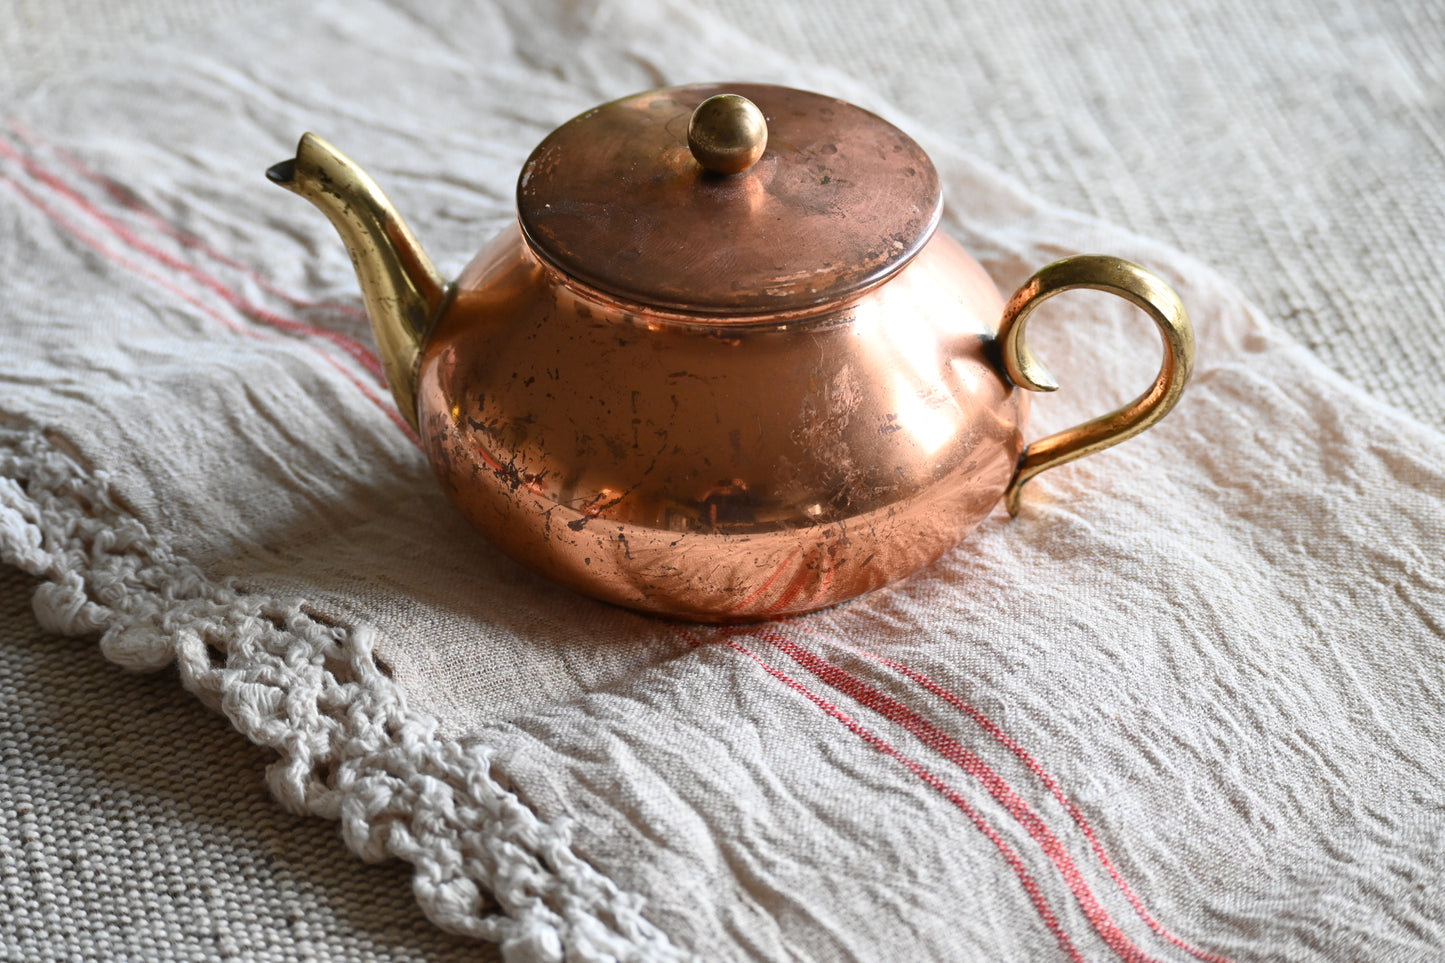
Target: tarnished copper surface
x: 721, y: 443
x: 839, y: 199
x: 720, y: 473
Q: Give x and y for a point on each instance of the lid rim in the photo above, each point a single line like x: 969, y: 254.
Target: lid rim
x: 839, y: 202
x: 737, y: 313
x: 692, y: 314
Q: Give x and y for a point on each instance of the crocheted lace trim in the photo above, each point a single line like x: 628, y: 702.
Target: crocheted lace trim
x: 349, y: 747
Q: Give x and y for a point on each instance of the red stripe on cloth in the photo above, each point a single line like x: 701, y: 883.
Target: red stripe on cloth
x: 351, y: 346
x: 70, y: 228
x: 1057, y: 790
x: 971, y: 763
x: 126, y: 198
x: 1030, y: 885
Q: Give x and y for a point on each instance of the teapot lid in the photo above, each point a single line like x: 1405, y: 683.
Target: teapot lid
x: 838, y: 200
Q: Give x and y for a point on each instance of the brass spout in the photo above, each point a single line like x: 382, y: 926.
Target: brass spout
x: 403, y: 292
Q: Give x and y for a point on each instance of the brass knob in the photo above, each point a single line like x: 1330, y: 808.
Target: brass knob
x: 727, y: 134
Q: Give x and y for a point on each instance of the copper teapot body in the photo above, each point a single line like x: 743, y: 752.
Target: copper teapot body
x: 743, y: 459
x: 720, y: 472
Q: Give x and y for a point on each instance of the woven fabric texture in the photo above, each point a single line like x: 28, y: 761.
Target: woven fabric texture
x: 1187, y: 706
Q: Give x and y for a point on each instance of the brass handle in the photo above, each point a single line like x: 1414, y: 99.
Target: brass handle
x: 1129, y: 281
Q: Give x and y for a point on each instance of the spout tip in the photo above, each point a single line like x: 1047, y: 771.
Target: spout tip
x: 283, y: 173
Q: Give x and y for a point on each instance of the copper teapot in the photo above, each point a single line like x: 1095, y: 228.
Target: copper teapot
x: 723, y: 367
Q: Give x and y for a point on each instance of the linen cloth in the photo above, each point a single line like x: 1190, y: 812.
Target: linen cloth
x: 1190, y: 697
